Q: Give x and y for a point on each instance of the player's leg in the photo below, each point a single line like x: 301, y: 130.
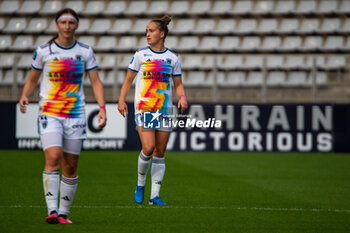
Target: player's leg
x: 147, y: 138
x: 52, y: 146
x: 69, y: 182
x: 158, y: 166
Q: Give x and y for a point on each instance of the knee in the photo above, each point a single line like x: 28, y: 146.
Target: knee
x: 52, y: 163
x: 159, y: 152
x: 148, y: 149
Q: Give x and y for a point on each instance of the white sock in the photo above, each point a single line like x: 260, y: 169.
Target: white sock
x: 157, y: 173
x: 68, y: 188
x: 143, y: 165
x: 51, y: 181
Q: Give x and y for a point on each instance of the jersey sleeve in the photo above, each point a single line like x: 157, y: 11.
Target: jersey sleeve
x: 177, y: 69
x: 37, y: 62
x: 135, y: 63
x: 91, y: 63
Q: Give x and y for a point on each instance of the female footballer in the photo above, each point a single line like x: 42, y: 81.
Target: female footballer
x: 61, y: 120
x: 153, y: 67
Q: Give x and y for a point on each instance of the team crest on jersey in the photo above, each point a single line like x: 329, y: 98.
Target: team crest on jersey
x: 78, y: 57
x: 168, y: 60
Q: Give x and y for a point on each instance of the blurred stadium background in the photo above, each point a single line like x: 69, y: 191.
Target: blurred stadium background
x: 231, y: 51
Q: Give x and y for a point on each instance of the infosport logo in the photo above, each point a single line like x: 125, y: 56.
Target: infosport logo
x: 155, y: 120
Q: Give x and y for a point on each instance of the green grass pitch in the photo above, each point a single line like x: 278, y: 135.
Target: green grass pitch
x: 205, y: 192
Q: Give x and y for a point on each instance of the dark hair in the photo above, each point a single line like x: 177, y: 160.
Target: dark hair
x: 58, y: 15
x: 163, y: 24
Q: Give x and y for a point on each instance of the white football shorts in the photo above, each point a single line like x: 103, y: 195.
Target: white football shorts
x: 165, y: 123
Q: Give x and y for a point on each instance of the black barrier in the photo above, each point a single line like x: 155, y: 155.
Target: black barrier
x: 214, y: 127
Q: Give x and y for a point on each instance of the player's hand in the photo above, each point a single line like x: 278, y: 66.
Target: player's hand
x: 182, y: 104
x: 102, y: 119
x: 122, y: 108
x: 22, y: 104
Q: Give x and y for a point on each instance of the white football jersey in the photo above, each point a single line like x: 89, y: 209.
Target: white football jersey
x: 153, y: 80
x: 61, y: 89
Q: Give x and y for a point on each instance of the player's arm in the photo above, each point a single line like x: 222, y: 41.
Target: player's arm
x: 98, y: 90
x: 28, y: 89
x: 180, y: 91
x: 129, y: 78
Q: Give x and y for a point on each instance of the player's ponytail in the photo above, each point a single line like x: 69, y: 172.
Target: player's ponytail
x: 58, y: 15
x: 163, y: 24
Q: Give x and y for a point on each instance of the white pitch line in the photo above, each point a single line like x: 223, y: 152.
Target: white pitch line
x: 187, y: 207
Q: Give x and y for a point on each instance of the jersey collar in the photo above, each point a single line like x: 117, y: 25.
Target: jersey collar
x: 61, y: 47
x: 166, y: 49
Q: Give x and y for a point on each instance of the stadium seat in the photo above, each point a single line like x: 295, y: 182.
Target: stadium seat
x: 296, y: 78
x: 221, y: 7
x: 89, y: 40
x: 2, y: 24
x: 333, y: 43
x: 8, y: 78
x: 106, y: 43
x: 115, y: 8
x: 306, y: 7
x: 195, y: 78
x: 171, y: 42
x: 254, y: 78
x: 127, y: 43
x: 231, y: 62
x: 275, y: 62
x: 200, y: 7
x: 25, y: 61
x: 291, y: 43
x: 294, y: 62
x: 225, y: 26
x: 136, y: 8
x: 289, y: 25
x: 327, y: 6
x: 16, y: 25
x: 179, y: 7
x: 208, y: 61
x: 84, y: 25
x: 94, y: 8
x: 344, y: 7
x: 309, y: 25
x: 246, y: 26
x: 250, y: 43
x: 320, y: 79
x: 184, y: 26
x: 330, y: 25
x: 254, y: 62
x: 121, y: 26
x: 188, y: 43
x: 319, y: 61
x: 23, y: 42
x: 264, y: 7
x: 36, y: 25
x: 209, y: 43
x: 7, y: 60
x: 276, y: 78
x: 142, y: 43
x: 191, y: 62
x: 205, y: 26
x: 5, y: 42
x: 346, y: 26
x: 233, y: 78
x: 140, y: 26
x: 108, y: 62
x: 100, y: 26
x: 336, y: 62
x: 125, y: 61
x: 312, y: 43
x: 30, y: 7
x: 51, y: 7
x: 42, y: 39
x: 229, y: 43
x: 158, y: 7
x: 121, y: 76
x: 285, y: 7
x: 77, y: 5
x: 271, y: 43
x: 267, y: 26
x: 242, y: 7
x: 109, y: 78
x: 9, y: 6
